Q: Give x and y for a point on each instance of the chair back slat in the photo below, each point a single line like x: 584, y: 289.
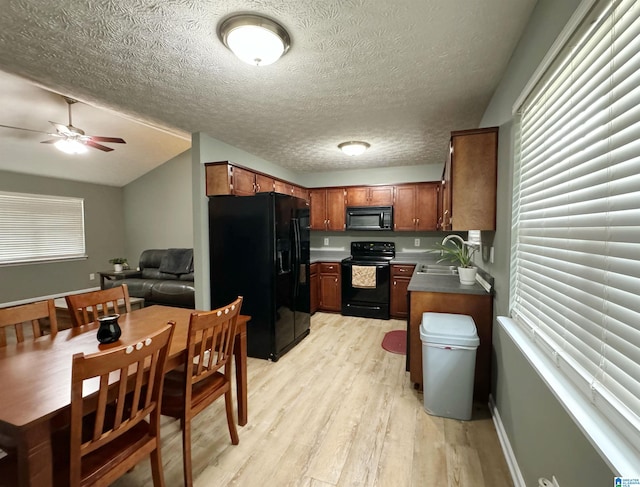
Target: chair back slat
x: 25, y: 317
x: 87, y: 307
x: 120, y: 376
x: 211, y: 339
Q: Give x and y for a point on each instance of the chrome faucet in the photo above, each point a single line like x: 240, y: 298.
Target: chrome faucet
x: 451, y: 237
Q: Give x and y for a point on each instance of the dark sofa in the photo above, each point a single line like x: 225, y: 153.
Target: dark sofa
x: 165, y: 277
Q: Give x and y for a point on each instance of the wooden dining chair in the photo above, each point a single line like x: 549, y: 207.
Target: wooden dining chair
x: 22, y: 320
x: 87, y: 307
x: 21, y: 317
x: 206, y: 375
x: 128, y: 382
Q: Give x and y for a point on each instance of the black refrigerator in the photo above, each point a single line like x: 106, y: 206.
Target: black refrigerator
x: 259, y: 249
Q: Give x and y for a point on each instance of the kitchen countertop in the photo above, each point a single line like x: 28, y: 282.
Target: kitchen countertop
x: 442, y: 284
x: 334, y: 255
x: 419, y: 282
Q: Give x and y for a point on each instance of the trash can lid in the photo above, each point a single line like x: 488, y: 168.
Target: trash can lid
x: 449, y: 329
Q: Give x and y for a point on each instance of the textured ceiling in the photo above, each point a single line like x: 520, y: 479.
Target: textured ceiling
x: 398, y: 74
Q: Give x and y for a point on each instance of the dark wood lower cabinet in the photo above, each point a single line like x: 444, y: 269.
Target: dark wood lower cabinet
x: 400, y: 277
x: 330, y: 287
x: 478, y: 306
x: 314, y: 279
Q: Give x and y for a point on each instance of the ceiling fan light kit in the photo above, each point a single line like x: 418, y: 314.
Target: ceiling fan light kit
x: 70, y: 139
x: 354, y: 147
x: 254, y: 39
x: 70, y: 146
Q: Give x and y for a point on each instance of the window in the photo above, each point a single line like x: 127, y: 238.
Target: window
x: 36, y: 228
x: 576, y: 213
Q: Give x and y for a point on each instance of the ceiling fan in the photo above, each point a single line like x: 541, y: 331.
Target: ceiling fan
x: 71, y: 139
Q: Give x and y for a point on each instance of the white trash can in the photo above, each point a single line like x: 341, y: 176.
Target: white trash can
x: 449, y: 344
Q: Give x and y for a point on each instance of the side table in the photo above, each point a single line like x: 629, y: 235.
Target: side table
x: 113, y: 275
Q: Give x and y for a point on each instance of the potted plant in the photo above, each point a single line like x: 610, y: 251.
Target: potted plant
x: 118, y: 263
x: 459, y: 253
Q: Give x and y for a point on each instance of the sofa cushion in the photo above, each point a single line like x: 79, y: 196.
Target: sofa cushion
x: 187, y: 277
x: 151, y: 258
x: 174, y: 293
x: 177, y: 261
x: 153, y: 273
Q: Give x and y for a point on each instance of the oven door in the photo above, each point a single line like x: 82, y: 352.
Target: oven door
x: 365, y: 300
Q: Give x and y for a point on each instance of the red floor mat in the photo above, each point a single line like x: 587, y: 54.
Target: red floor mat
x: 395, y: 342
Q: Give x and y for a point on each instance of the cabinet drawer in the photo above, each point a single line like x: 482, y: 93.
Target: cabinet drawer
x: 313, y: 269
x: 326, y: 268
x: 398, y: 270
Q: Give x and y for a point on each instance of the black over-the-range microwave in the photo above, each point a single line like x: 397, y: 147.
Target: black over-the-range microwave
x: 369, y: 217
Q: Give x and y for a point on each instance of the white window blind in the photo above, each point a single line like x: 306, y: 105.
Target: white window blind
x: 576, y: 213
x: 37, y: 228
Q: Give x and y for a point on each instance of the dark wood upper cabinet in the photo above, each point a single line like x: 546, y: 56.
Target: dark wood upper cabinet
x: 370, y: 196
x: 228, y: 178
x: 264, y: 184
x: 415, y: 207
x: 283, y: 187
x: 470, y: 181
x: 327, y: 209
x: 244, y: 182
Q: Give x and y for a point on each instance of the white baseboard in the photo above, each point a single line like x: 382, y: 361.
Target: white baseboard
x: 512, y: 463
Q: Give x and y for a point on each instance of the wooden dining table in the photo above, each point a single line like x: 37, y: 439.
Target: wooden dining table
x: 35, y: 381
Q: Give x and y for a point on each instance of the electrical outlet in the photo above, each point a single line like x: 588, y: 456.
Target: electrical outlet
x: 92, y: 276
x: 542, y: 482
x: 416, y: 242
x: 326, y: 240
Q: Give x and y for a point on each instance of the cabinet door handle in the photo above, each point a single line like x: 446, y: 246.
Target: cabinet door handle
x: 417, y: 221
x: 257, y: 188
x: 395, y: 283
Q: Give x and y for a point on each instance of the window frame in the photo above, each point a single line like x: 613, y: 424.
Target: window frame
x: 28, y: 238
x: 607, y: 430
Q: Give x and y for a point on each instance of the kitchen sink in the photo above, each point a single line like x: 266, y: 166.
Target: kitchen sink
x: 438, y: 269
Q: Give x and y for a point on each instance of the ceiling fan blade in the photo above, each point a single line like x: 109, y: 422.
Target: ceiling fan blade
x: 104, y: 148
x: 62, y: 129
x: 20, y: 128
x: 115, y: 140
x: 51, y: 141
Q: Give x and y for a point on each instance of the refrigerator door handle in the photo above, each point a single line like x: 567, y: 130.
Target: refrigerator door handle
x: 300, y: 276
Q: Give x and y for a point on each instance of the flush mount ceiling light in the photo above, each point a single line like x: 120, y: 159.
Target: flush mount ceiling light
x: 354, y: 147
x: 254, y: 39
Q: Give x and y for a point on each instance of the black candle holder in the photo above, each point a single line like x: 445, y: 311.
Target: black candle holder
x: 109, y: 330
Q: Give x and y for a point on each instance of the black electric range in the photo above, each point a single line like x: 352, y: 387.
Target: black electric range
x: 366, y: 277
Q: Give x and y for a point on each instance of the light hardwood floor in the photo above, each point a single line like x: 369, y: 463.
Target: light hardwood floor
x: 337, y: 410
